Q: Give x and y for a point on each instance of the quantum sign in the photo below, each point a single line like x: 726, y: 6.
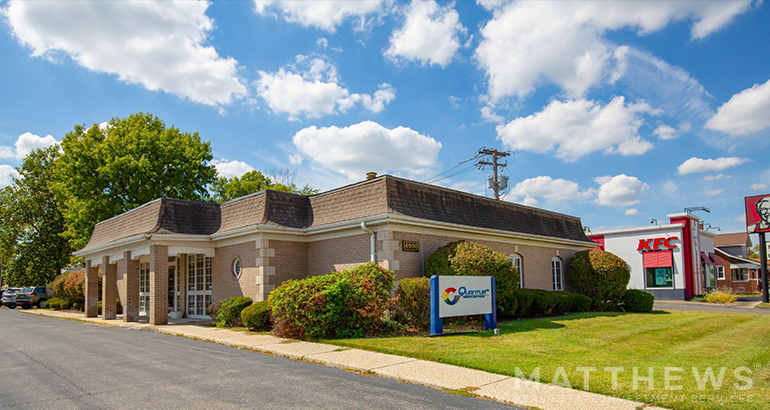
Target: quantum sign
x: 656, y: 243
x: 758, y: 213
x: 452, y: 296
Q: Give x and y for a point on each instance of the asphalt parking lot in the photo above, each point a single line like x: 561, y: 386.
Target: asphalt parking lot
x: 51, y: 363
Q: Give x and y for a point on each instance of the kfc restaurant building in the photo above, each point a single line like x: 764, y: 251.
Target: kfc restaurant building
x: 675, y: 261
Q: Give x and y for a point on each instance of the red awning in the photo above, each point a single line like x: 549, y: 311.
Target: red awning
x: 715, y: 260
x: 706, y: 259
x: 658, y: 259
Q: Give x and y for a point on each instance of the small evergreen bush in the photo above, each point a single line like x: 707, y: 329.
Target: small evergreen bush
x: 257, y: 316
x: 580, y: 303
x: 543, y: 303
x: 524, y: 298
x: 638, y: 301
x: 229, y: 314
x: 57, y: 304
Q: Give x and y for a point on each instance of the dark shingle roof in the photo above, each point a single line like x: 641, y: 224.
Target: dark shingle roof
x: 382, y: 195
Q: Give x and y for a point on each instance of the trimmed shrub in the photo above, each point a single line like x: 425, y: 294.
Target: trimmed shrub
x: 229, y: 313
x: 638, y: 301
x: 118, y: 307
x: 350, y: 303
x: 511, y: 305
x: 471, y: 259
x: 543, y: 303
x: 524, y: 299
x: 212, y: 309
x: 600, y: 275
x: 57, y: 304
x: 562, y: 302
x: 413, y: 302
x: 257, y: 316
x: 580, y: 303
x: 69, y: 287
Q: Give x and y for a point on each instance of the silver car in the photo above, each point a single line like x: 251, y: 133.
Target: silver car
x: 9, y: 297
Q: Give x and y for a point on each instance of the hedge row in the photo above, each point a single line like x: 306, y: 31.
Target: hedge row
x: 69, y: 287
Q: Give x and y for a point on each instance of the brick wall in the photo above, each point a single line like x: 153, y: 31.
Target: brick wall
x: 536, y: 261
x: 338, y: 254
x: 752, y: 285
x: 290, y: 261
x: 224, y: 283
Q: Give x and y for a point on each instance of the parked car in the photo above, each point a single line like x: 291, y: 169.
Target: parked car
x: 9, y: 297
x: 29, y: 297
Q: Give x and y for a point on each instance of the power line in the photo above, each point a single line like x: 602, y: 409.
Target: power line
x: 462, y: 171
x: 427, y: 181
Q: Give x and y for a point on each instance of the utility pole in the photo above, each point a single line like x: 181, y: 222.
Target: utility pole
x: 499, y: 181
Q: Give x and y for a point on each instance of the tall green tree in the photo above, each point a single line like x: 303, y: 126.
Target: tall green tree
x: 225, y: 189
x: 105, y: 171
x: 32, y: 248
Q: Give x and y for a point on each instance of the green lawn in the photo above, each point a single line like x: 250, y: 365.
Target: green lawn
x: 683, y: 339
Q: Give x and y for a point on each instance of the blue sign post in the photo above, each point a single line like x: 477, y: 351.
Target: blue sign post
x: 452, y: 296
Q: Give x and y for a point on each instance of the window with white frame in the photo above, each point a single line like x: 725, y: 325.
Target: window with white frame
x: 556, y: 269
x: 144, y: 288
x: 721, y: 272
x: 236, y: 267
x: 516, y: 260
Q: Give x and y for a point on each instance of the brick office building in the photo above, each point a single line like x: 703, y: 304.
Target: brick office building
x: 174, y: 257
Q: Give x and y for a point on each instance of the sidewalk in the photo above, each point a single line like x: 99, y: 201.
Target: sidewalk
x: 442, y: 376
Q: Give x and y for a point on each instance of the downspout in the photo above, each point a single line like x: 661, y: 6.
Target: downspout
x: 373, y: 252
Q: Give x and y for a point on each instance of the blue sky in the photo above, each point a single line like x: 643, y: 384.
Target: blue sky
x: 617, y: 112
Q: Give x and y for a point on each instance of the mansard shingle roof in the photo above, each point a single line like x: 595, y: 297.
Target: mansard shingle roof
x: 383, y: 195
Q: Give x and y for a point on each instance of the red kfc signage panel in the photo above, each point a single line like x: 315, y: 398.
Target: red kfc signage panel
x: 758, y: 213
x: 656, y: 243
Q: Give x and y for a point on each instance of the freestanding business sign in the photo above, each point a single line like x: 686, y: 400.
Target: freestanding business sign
x: 758, y: 221
x: 452, y: 296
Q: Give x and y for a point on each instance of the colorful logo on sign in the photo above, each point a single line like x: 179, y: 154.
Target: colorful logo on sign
x: 653, y: 244
x: 448, y: 298
x: 452, y: 295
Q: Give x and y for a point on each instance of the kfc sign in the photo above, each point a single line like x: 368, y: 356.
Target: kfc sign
x: 655, y: 244
x: 758, y: 213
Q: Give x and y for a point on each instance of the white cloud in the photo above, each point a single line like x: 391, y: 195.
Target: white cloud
x: 25, y: 144
x: 714, y: 192
x: 575, y: 128
x: 7, y: 175
x: 758, y: 186
x: 430, y: 34
x: 716, y: 177
x: 311, y: 88
x: 547, y: 188
x: 632, y: 211
x: 666, y: 132
x: 620, y: 190
x: 229, y: 169
x: 488, y: 114
x: 368, y: 146
x: 529, y: 43
x: 324, y: 15
x: 745, y: 113
x: 696, y: 164
x: 160, y: 45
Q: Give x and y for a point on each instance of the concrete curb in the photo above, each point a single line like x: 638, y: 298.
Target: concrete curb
x: 451, y: 378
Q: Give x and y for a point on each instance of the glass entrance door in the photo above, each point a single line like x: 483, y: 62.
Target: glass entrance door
x: 198, y: 285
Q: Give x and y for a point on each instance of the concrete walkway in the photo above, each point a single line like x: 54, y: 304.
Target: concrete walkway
x: 442, y: 376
